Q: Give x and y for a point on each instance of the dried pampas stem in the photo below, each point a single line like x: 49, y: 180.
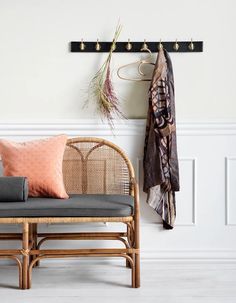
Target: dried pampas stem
x: 102, y: 88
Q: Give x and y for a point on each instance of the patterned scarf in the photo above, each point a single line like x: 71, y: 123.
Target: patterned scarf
x: 161, y: 172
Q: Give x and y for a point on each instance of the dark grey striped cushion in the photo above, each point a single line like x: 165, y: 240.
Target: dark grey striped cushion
x: 75, y: 206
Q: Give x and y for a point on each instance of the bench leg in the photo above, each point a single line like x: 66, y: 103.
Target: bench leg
x: 137, y: 237
x: 137, y: 270
x: 35, y: 242
x: 31, y: 240
x: 129, y: 238
x: 137, y: 256
x: 25, y: 253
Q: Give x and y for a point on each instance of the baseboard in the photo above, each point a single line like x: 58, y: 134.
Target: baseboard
x: 190, y: 255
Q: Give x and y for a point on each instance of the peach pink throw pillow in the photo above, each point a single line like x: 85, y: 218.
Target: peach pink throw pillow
x: 40, y: 161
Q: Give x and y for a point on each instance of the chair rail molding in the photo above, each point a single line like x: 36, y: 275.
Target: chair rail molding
x: 206, y: 209
x: 97, y: 127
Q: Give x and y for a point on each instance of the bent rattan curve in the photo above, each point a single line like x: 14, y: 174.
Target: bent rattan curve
x: 90, y: 166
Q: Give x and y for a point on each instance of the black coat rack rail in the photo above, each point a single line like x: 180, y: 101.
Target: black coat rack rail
x: 134, y: 47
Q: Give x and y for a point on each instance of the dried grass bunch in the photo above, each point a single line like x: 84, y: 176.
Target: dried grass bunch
x: 102, y: 89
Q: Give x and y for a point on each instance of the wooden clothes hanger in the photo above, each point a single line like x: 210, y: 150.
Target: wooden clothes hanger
x: 140, y: 64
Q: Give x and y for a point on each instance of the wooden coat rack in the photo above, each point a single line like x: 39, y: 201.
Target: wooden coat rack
x: 134, y: 47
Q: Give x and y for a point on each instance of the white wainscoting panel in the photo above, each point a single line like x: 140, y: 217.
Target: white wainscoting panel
x: 206, y: 205
x: 186, y: 198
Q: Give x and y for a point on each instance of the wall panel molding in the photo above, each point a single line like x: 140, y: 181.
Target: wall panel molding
x: 193, y: 198
x: 192, y: 183
x: 122, y: 127
x: 207, y: 154
x: 230, y: 190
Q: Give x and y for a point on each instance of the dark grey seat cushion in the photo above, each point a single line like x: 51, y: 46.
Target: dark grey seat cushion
x: 76, y: 206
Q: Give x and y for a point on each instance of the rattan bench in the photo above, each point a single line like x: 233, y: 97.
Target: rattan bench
x: 101, y: 183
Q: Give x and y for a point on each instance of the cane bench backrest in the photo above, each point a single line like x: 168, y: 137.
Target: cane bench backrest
x: 96, y: 166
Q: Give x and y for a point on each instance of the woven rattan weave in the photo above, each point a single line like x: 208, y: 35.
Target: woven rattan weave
x: 90, y: 166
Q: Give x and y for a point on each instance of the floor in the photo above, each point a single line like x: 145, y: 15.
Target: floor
x: 107, y: 281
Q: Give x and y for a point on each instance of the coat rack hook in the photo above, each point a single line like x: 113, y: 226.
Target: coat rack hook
x: 82, y: 45
x: 160, y: 45
x: 98, y: 46
x: 144, y: 46
x: 191, y: 45
x: 128, y: 45
x: 176, y: 46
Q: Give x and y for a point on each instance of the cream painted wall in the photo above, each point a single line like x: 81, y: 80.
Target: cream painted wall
x: 41, y: 79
